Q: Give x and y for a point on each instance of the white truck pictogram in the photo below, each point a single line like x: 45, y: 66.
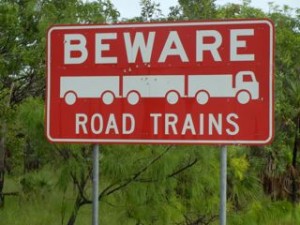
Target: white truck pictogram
x: 243, y: 86
x: 104, y: 87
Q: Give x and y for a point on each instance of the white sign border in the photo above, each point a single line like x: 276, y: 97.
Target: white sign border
x: 164, y: 141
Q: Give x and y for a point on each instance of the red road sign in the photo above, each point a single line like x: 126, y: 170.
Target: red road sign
x: 184, y: 82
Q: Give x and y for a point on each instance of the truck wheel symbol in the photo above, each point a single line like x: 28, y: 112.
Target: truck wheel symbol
x: 172, y: 97
x: 243, y: 97
x: 202, y: 97
x: 108, y: 97
x: 133, y: 97
x: 70, y: 98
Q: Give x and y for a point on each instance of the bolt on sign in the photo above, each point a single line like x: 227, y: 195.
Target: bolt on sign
x: 184, y: 82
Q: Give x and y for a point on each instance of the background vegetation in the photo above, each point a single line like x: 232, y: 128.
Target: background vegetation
x: 47, y: 184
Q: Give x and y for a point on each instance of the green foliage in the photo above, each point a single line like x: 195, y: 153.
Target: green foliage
x: 30, y: 117
x: 150, y: 10
x: 26, y: 141
x: 173, y: 189
x: 198, y: 9
x: 35, y: 185
x: 244, y: 10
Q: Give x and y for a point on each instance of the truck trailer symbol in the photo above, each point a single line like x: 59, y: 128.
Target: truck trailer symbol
x: 243, y: 86
x: 104, y: 87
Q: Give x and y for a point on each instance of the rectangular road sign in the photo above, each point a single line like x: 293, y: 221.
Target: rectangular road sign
x: 178, y: 83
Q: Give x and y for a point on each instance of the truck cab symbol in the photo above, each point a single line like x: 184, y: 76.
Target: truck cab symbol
x: 246, y: 86
x: 243, y: 86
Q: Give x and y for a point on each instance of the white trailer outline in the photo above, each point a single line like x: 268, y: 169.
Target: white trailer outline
x: 104, y: 87
x: 170, y: 87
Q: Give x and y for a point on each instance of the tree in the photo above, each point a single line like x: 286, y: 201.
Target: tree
x: 22, y: 57
x: 288, y: 67
x: 198, y: 9
x: 150, y: 10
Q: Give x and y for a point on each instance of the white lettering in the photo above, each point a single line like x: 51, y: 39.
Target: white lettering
x: 155, y: 117
x: 170, y: 122
x: 204, y: 124
x: 201, y: 124
x: 78, y: 46
x: 93, y: 122
x: 173, y: 39
x: 80, y: 121
x: 139, y: 44
x: 111, y: 124
x: 235, y: 44
x: 213, y: 123
x: 128, y: 118
x: 188, y: 125
x: 233, y: 123
x: 100, y: 124
x: 100, y: 47
x: 212, y: 47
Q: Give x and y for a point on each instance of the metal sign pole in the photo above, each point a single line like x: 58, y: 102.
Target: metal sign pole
x: 223, y: 185
x: 95, y: 184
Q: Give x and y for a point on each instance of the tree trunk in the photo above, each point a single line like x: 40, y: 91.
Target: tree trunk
x: 2, y: 163
x: 76, y: 208
x: 294, y: 163
x: 3, y: 150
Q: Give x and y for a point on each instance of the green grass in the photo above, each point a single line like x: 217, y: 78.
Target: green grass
x: 51, y: 206
x: 41, y: 205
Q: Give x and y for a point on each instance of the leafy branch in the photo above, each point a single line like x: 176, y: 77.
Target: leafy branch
x: 122, y: 184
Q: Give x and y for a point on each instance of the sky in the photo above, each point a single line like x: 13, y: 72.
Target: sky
x: 131, y: 8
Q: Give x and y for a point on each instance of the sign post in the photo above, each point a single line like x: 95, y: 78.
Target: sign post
x: 223, y: 185
x: 95, y: 196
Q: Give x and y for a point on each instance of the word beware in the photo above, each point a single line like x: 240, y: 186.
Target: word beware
x: 76, y: 51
